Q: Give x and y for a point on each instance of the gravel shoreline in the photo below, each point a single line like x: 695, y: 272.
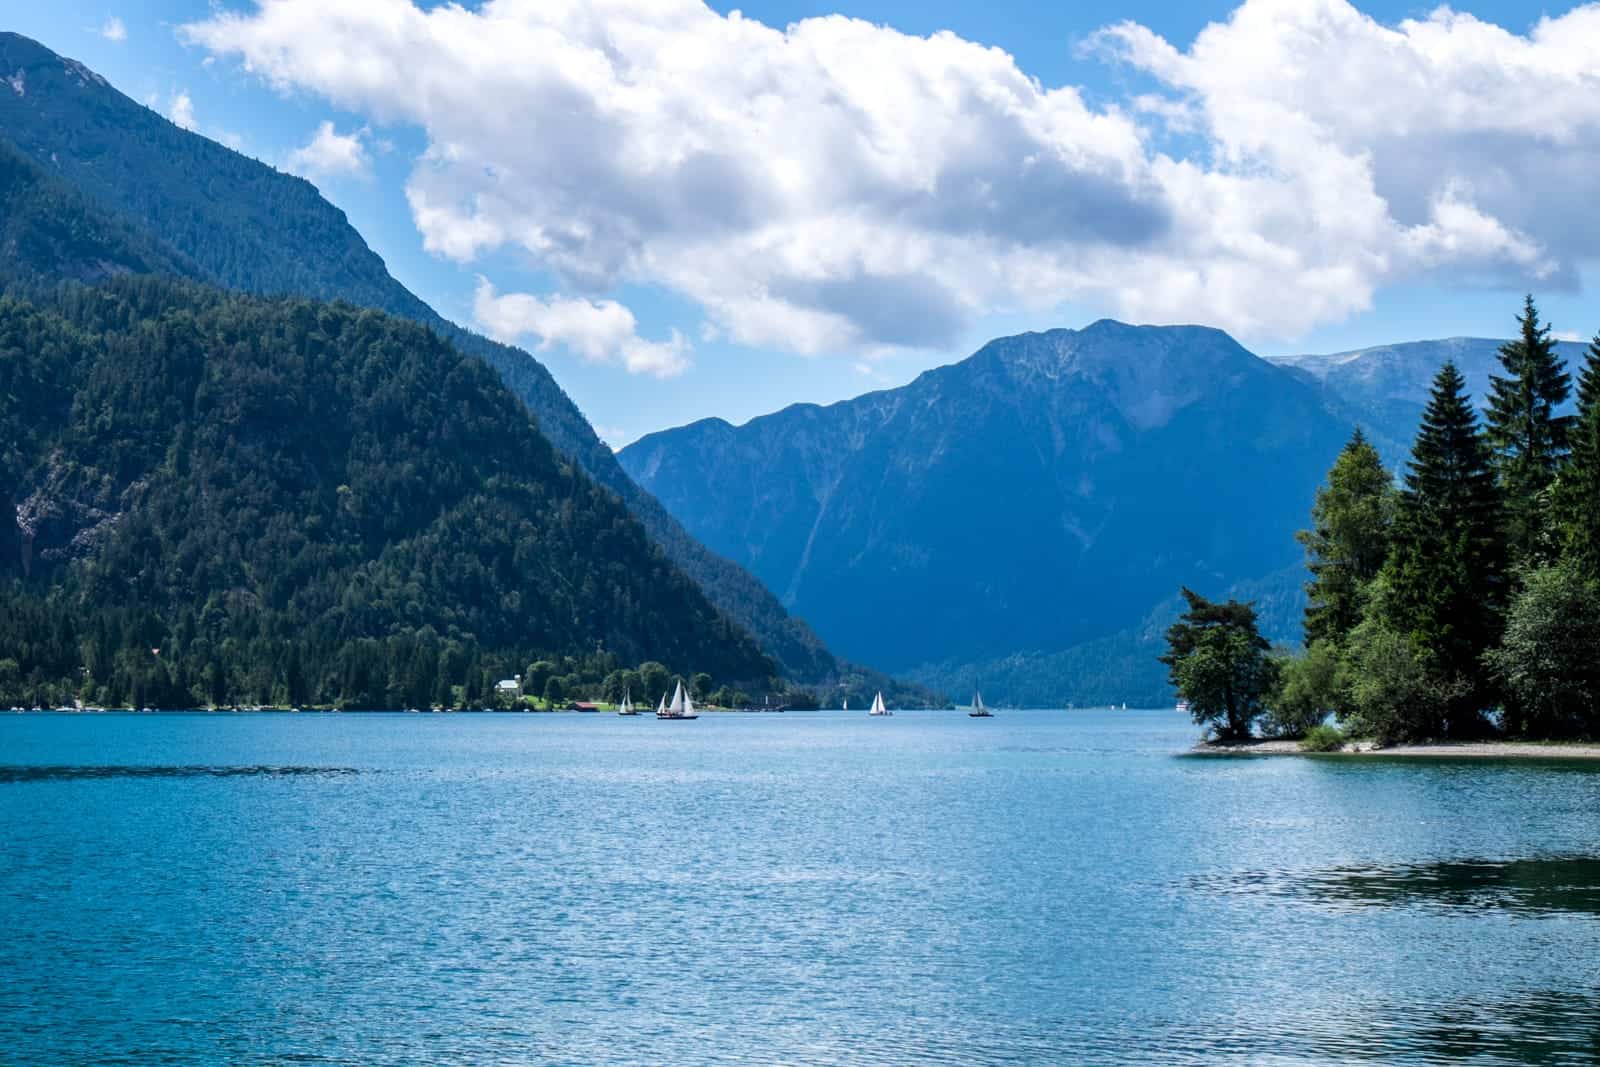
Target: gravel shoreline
x: 1446, y: 750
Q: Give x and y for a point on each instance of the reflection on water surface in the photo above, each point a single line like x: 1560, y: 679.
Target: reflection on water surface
x: 1536, y: 885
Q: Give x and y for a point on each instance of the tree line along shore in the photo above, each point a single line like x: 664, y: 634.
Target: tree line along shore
x: 1458, y: 607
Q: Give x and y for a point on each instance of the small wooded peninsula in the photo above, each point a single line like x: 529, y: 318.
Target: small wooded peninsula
x: 1461, y: 604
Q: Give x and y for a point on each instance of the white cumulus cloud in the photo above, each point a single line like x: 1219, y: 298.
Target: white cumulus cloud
x: 114, y: 30
x: 1447, y: 142
x: 616, y: 437
x: 180, y: 109
x: 838, y: 185
x: 598, y: 331
x: 330, y: 154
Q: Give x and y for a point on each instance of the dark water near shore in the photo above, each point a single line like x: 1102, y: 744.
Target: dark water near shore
x: 1042, y: 887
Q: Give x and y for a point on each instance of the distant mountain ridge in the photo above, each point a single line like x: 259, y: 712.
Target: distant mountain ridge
x: 1045, y: 492
x: 1054, y: 433
x: 232, y: 221
x: 1385, y: 388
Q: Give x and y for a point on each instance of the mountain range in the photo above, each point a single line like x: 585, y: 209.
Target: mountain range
x: 1384, y: 389
x: 195, y: 208
x: 1046, y: 492
x: 1022, y: 520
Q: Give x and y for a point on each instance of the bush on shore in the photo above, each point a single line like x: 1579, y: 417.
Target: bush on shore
x: 1322, y: 738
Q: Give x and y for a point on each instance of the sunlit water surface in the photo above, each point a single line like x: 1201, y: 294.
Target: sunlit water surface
x: 1041, y: 887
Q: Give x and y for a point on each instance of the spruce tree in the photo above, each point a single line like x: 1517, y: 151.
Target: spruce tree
x: 1578, y: 489
x: 1529, y: 439
x: 1447, y: 568
x: 1348, y: 541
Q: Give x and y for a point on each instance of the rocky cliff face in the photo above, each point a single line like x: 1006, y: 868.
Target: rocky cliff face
x: 1047, y: 491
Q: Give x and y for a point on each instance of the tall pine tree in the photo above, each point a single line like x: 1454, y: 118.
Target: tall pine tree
x: 1529, y: 439
x: 1348, y: 541
x: 1578, y: 489
x: 1447, y: 568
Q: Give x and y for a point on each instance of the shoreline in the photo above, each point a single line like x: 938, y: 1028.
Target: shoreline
x: 1486, y: 750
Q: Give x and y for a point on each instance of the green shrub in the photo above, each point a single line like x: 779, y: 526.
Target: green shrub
x: 1307, y: 689
x: 1396, y: 693
x: 1548, y: 663
x: 1322, y: 738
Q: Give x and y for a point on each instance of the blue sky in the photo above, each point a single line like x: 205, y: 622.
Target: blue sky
x: 1379, y: 220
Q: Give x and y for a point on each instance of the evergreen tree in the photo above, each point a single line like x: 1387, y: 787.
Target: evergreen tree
x: 1529, y: 439
x: 1447, y: 568
x: 1348, y: 541
x: 1219, y: 662
x: 1578, y: 489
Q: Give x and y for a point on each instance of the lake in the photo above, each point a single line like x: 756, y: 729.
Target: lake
x: 822, y: 888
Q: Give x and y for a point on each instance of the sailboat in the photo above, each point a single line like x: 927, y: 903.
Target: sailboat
x: 877, y: 706
x: 626, y: 707
x: 681, y: 707
x: 978, y: 710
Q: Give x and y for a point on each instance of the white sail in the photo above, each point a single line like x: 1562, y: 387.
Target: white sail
x: 977, y: 700
x: 877, y: 706
x: 688, y: 704
x: 676, y: 707
x: 661, y: 708
x: 626, y: 707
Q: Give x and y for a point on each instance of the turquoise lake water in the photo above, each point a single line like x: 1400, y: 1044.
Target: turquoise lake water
x: 1041, y: 887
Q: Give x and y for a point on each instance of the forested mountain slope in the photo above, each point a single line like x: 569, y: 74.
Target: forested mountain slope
x: 241, y: 224
x: 305, y: 502
x: 48, y: 231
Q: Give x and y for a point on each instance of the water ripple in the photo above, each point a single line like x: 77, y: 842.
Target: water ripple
x: 778, y: 889
x: 10, y: 775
